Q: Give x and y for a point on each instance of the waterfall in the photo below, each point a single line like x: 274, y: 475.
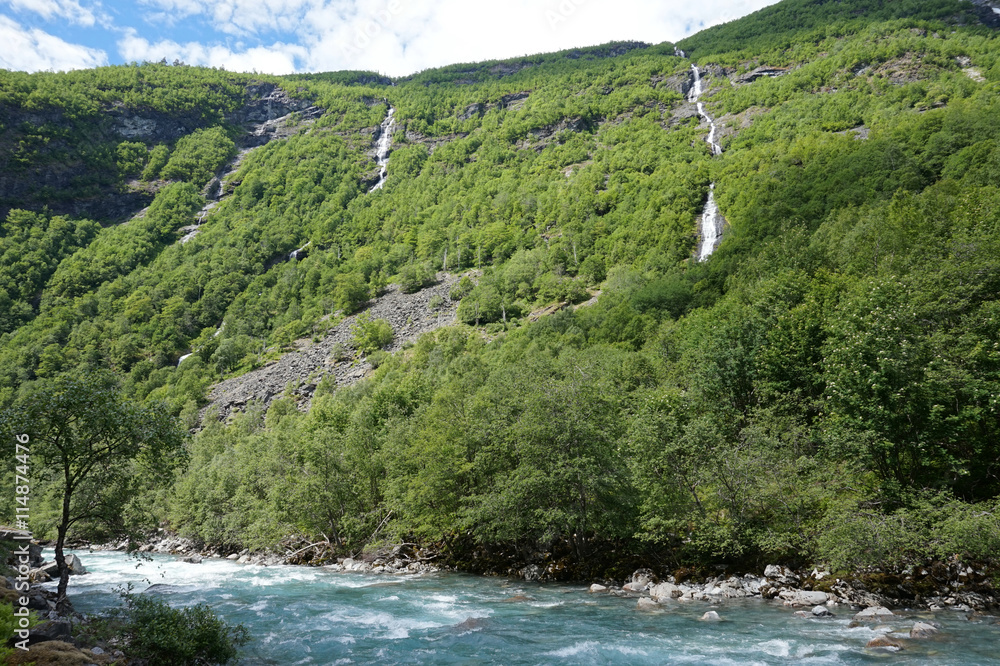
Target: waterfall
x: 294, y: 254
x: 711, y: 226
x: 693, y: 96
x: 711, y: 221
x: 382, y: 148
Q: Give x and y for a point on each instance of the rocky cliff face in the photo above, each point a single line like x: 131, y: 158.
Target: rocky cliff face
x: 63, y: 179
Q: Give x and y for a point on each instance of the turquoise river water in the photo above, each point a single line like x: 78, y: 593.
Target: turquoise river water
x: 306, y: 615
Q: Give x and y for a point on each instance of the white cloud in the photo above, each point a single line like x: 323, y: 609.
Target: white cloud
x: 64, y: 10
x: 277, y: 58
x: 399, y: 37
x: 33, y: 50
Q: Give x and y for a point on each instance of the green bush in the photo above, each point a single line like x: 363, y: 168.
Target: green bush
x: 370, y: 335
x: 199, y: 155
x: 413, y: 277
x: 462, y: 289
x: 157, y: 160
x: 192, y: 636
x: 377, y: 358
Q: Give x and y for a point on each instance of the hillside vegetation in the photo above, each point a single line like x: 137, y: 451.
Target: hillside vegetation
x: 824, y: 388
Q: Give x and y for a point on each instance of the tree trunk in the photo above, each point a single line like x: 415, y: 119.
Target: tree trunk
x: 61, y: 601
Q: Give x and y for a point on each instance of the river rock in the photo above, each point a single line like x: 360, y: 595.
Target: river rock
x: 803, y: 597
x: 665, y: 591
x: 923, y: 630
x: 595, y: 588
x: 821, y: 611
x: 645, y: 603
x: 806, y: 615
x: 192, y: 559
x: 710, y: 616
x: 233, y: 557
x: 637, y: 586
x: 780, y: 574
x: 531, y: 572
x: 642, y: 577
x: 884, y: 642
x: 874, y: 614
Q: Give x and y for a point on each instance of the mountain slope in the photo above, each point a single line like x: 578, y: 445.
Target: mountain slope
x: 823, y: 387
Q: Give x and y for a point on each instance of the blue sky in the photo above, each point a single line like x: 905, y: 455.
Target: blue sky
x: 395, y: 37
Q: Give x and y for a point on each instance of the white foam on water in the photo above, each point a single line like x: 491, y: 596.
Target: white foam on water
x: 383, y: 625
x: 776, y: 647
x: 392, y: 598
x: 585, y: 647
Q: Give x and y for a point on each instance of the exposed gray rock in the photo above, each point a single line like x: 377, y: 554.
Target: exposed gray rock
x: 874, y: 614
x: 884, y: 642
x: 923, y: 630
x: 595, y: 588
x: 803, y: 597
x: 710, y: 616
x: 759, y: 72
x: 409, y: 315
x: 642, y: 576
x: 821, y: 611
x: 665, y: 591
x: 531, y: 572
x: 75, y: 565
x: 50, y: 630
x: 645, y: 603
x: 781, y: 574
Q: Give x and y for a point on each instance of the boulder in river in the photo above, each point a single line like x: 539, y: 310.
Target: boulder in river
x: 645, y: 604
x: 710, y: 616
x: 874, y: 614
x: 192, y: 559
x: 803, y: 597
x: 923, y: 630
x: 665, y: 591
x: 821, y: 611
x: 884, y: 642
x: 595, y: 588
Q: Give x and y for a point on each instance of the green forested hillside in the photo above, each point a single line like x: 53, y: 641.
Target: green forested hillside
x: 825, y: 387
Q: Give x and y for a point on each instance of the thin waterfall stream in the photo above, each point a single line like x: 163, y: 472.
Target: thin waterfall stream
x: 382, y: 147
x: 711, y: 221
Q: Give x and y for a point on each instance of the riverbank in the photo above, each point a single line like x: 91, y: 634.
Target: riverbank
x: 319, y: 615
x: 952, y: 585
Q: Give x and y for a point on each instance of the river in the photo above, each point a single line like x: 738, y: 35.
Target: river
x: 308, y: 615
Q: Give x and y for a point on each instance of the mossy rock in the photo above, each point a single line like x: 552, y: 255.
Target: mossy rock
x: 56, y: 653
